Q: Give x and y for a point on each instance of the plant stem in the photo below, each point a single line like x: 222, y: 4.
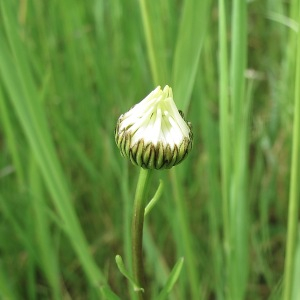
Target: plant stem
x: 224, y: 131
x: 137, y: 230
x: 289, y: 267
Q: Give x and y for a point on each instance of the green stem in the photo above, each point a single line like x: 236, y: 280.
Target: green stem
x: 294, y: 187
x: 137, y: 230
x: 224, y: 124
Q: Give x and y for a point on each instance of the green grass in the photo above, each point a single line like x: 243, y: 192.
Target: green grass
x: 69, y: 69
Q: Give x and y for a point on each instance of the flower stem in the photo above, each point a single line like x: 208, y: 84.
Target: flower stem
x: 137, y: 230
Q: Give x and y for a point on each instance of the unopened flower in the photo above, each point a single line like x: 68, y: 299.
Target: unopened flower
x: 153, y: 134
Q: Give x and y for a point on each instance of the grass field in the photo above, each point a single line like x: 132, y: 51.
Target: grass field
x: 68, y: 69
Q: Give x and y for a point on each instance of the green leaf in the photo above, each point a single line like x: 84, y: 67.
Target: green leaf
x: 7, y: 290
x: 155, y: 198
x: 19, y: 82
x: 185, y: 65
x: 171, y: 280
x: 108, y: 294
x: 123, y: 270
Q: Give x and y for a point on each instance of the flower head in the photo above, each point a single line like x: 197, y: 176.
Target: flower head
x: 153, y: 134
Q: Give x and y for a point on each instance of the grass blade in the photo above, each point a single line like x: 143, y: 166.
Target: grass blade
x: 224, y: 125
x: 153, y: 29
x: 20, y: 85
x: 294, y: 185
x: 171, y: 280
x: 193, y: 24
x: 238, y: 182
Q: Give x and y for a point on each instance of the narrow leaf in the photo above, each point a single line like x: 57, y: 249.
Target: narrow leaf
x: 108, y: 294
x: 155, y: 198
x: 171, y: 280
x: 189, y: 42
x: 123, y: 270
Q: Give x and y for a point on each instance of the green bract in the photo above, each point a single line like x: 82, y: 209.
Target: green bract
x: 153, y: 134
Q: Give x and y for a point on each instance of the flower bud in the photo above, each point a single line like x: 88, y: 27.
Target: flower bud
x: 153, y: 134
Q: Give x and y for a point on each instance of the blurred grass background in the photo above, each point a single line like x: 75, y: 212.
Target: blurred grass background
x: 69, y: 69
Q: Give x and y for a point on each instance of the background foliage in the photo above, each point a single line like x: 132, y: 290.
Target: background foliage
x: 68, y: 69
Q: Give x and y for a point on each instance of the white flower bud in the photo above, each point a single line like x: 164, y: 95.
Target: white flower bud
x: 153, y: 134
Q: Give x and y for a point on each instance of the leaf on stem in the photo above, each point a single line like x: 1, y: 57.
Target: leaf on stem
x: 123, y: 270
x: 171, y: 280
x: 155, y: 198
